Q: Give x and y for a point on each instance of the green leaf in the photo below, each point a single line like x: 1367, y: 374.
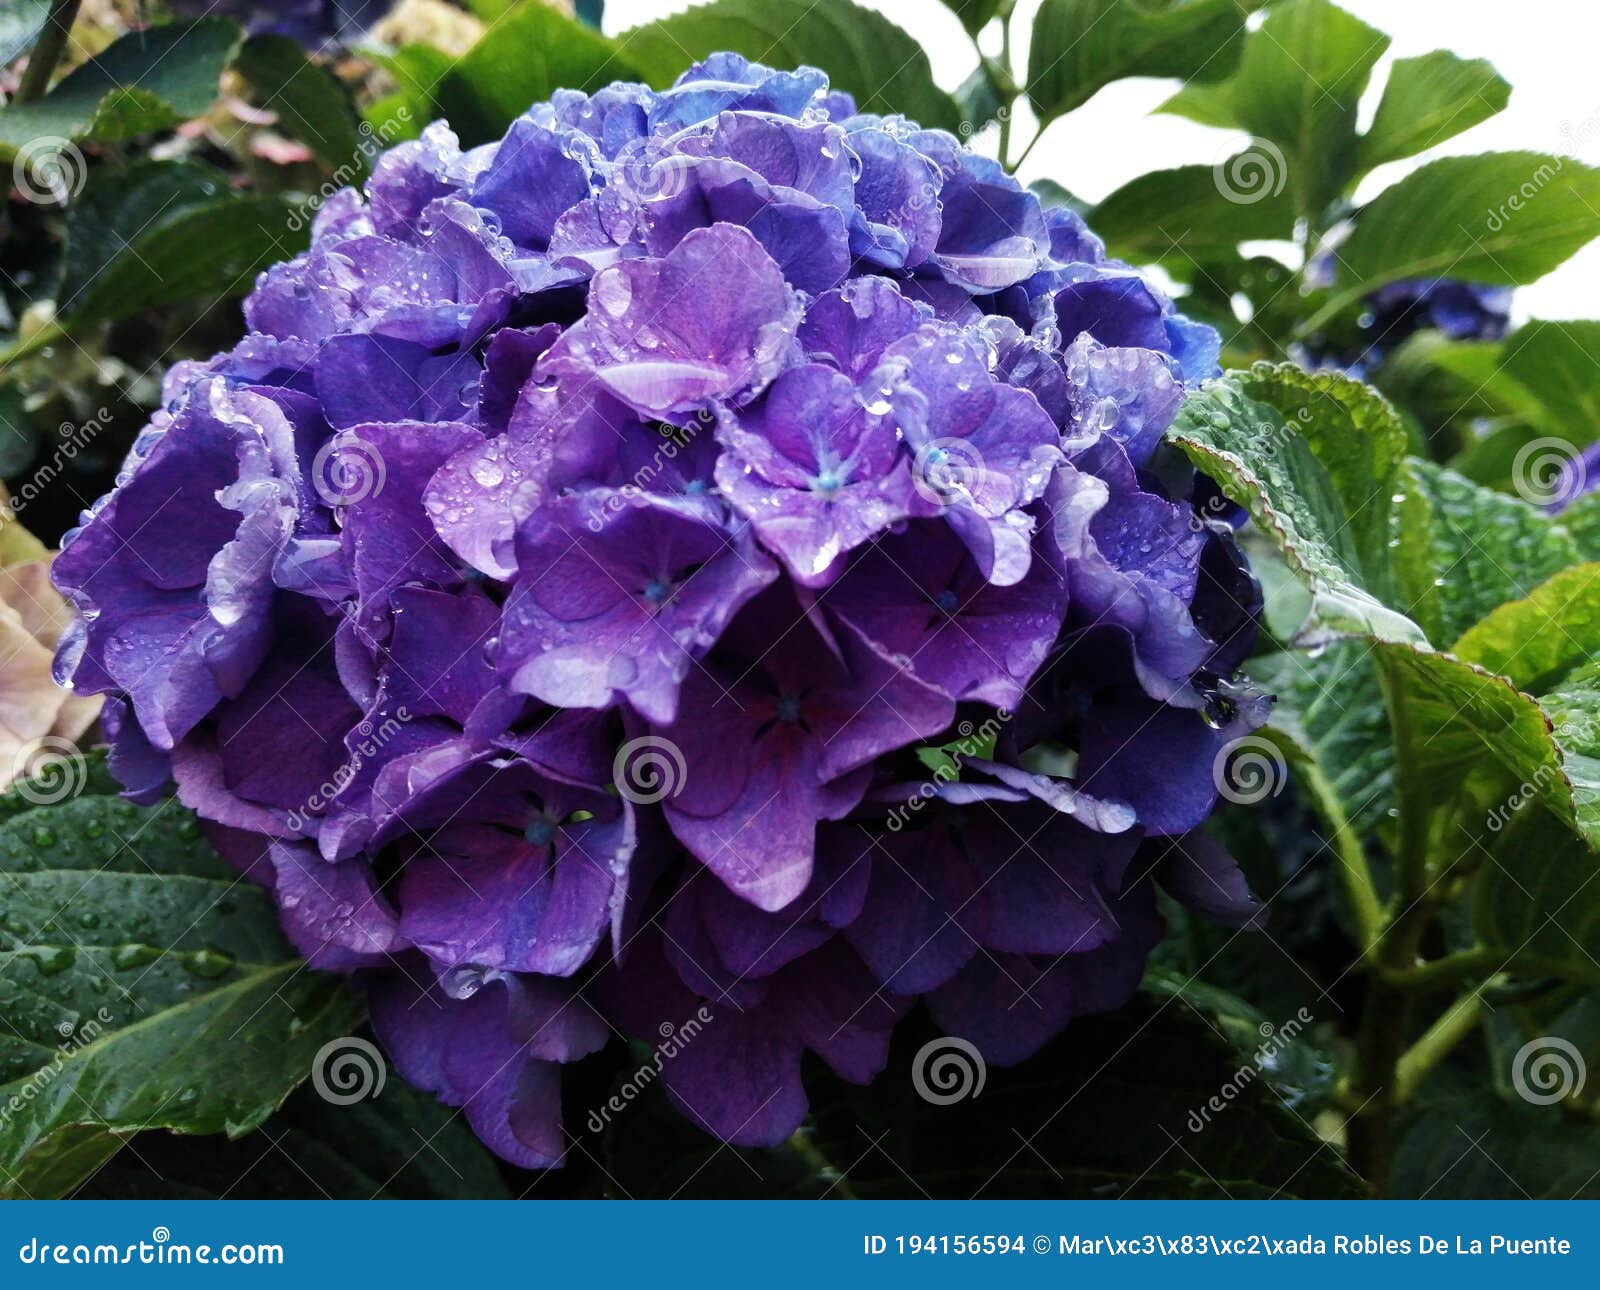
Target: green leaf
x: 525, y: 57
x: 1427, y: 100
x: 164, y: 231
x: 144, y: 984
x: 1298, y: 84
x: 149, y: 80
x: 975, y: 15
x: 978, y: 100
x: 1501, y: 217
x: 88, y: 776
x: 1539, y: 639
x: 1299, y: 1073
x: 1581, y: 519
x: 1330, y: 710
x: 1315, y: 458
x: 1464, y: 549
x: 1079, y: 46
x: 1466, y: 1144
x: 1559, y: 363
x: 1472, y: 748
x: 21, y: 21
x: 862, y: 51
x: 1443, y: 381
x: 1189, y: 212
x: 310, y: 103
x: 418, y: 70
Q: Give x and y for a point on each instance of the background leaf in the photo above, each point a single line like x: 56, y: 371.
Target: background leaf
x: 21, y: 21
x: 1430, y: 99
x: 862, y: 51
x: 1080, y: 46
x: 1503, y: 217
x: 524, y: 57
x: 1314, y: 457
x: 1185, y: 212
x: 148, y: 80
x: 165, y: 231
x: 310, y: 104
x: 1298, y: 84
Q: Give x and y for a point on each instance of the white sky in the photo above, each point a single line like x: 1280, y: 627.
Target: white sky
x: 1548, y: 50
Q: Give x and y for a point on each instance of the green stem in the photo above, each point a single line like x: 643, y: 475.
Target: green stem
x: 1374, y: 1081
x: 1009, y: 102
x: 1448, y: 971
x: 1459, y: 1021
x: 47, y: 50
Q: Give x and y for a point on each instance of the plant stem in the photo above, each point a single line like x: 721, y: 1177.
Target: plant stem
x: 1010, y: 103
x: 1459, y: 1021
x: 1449, y: 970
x: 1350, y: 857
x: 1373, y: 1085
x: 47, y: 50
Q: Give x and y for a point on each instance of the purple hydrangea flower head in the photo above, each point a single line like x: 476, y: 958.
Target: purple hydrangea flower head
x: 708, y: 555
x: 1398, y: 310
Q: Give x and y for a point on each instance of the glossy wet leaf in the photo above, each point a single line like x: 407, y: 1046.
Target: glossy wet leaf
x: 144, y: 984
x: 1316, y: 459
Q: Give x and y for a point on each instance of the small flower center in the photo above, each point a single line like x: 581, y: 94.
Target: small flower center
x: 657, y: 591
x: 541, y: 831
x: 789, y: 708
x: 828, y: 482
x: 946, y: 600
